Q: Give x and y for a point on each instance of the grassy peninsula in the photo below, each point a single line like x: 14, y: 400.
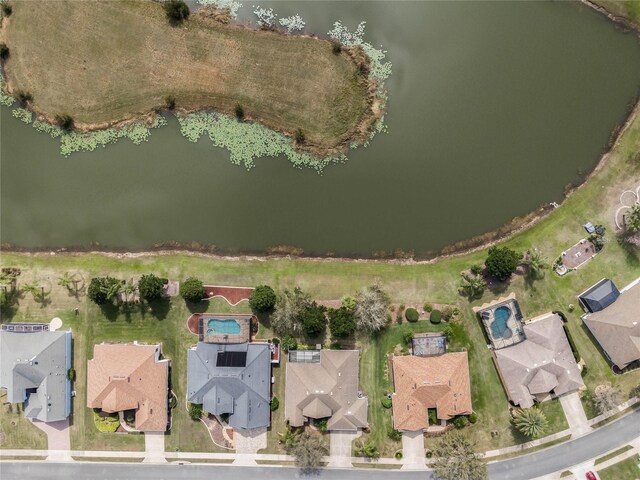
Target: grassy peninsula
x: 102, y: 62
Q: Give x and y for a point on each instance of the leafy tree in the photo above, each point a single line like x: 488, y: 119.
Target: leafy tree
x: 314, y: 320
x: 502, y: 262
x: 64, y: 121
x: 192, y: 290
x: 308, y: 451
x: 289, y: 343
x: 536, y: 264
x: 262, y: 299
x: 300, y: 136
x: 290, y: 306
x: 239, y: 111
x: 456, y: 459
x: 531, y: 422
x: 372, y: 309
x: 341, y: 322
x: 349, y: 303
x: 632, y: 220
x: 150, y: 287
x: 195, y: 411
x: 606, y: 397
x: 336, y: 47
x: 4, y: 51
x: 103, y: 289
x: 472, y: 285
x: 176, y: 10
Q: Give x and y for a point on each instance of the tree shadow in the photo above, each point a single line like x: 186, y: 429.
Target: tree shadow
x: 264, y: 319
x: 160, y: 307
x: 110, y: 311
x: 199, y: 307
x: 630, y: 251
x: 497, y: 287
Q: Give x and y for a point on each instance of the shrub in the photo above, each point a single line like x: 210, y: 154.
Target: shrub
x: 262, y: 299
x: 502, y: 262
x: 64, y: 121
x: 289, y: 343
x: 314, y: 320
x: 349, y: 303
x: 571, y: 307
x: 195, y: 411
x: 427, y: 307
x: 336, y: 47
x: 71, y: 374
x: 583, y: 372
x: 176, y: 10
x: 447, y: 313
x: 433, y: 416
x: 170, y: 102
x: 429, y: 454
x: 299, y: 136
x: 408, y: 337
x: 473, y: 418
x: 7, y: 9
x: 398, y: 454
x: 435, y: 317
x: 386, y: 402
x: 275, y: 403
x: 4, y: 51
x: 321, y: 423
x: 276, y: 341
x: 106, y: 424
x: 23, y: 97
x: 173, y: 401
x: 476, y: 269
x: 342, y: 323
x: 394, y: 434
x: 239, y: 111
x: 192, y: 290
x: 412, y: 315
x: 460, y: 421
x: 150, y: 287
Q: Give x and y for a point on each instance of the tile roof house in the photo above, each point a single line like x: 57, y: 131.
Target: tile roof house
x: 325, y: 387
x: 130, y: 376
x: 232, y: 379
x: 541, y: 364
x: 617, y: 327
x: 421, y: 383
x: 34, y: 369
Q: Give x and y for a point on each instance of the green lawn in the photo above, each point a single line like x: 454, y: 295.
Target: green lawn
x: 407, y: 283
x: 18, y: 431
x: 628, y: 469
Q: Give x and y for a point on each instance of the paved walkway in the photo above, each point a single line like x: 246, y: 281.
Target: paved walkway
x: 573, y: 410
x: 413, y: 451
x: 340, y: 448
x: 58, y: 439
x: 251, y: 440
x: 154, y: 447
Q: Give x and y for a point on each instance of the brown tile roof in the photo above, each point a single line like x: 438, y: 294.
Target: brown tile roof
x: 542, y: 363
x: 617, y: 327
x: 440, y: 382
x: 130, y: 377
x: 326, y: 389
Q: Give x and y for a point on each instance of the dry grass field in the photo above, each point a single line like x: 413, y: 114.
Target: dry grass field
x: 105, y: 61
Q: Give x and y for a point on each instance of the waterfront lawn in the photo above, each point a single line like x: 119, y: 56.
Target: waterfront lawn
x: 201, y: 64
x: 628, y: 468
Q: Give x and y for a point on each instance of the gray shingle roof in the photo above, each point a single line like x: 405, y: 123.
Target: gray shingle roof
x: 243, y: 391
x: 600, y: 296
x: 33, y: 369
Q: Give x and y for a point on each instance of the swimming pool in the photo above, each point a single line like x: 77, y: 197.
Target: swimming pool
x: 499, y: 328
x: 221, y: 326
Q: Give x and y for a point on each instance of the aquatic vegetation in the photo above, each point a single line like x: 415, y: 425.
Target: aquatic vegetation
x: 23, y: 115
x: 5, y: 99
x: 292, y: 23
x: 266, y: 17
x: 232, y: 5
x: 247, y: 141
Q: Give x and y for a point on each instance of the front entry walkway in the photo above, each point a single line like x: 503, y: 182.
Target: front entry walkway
x: 248, y: 442
x: 413, y: 453
x: 340, y: 448
x: 573, y: 410
x: 154, y: 447
x: 58, y: 439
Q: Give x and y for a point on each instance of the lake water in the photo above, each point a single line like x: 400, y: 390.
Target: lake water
x: 494, y: 108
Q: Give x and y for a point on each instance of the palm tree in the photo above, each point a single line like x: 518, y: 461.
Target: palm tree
x: 537, y: 264
x: 472, y: 285
x: 288, y: 438
x: 113, y: 289
x: 129, y: 289
x: 31, y: 287
x: 530, y: 421
x: 66, y: 281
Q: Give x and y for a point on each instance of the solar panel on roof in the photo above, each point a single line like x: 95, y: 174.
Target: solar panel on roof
x: 232, y: 359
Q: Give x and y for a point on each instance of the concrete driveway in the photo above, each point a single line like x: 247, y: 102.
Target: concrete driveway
x: 58, y: 439
x: 340, y: 448
x: 574, y: 412
x: 413, y: 450
x: 154, y: 447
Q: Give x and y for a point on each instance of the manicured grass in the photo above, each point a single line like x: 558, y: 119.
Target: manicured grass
x: 434, y: 282
x: 629, y: 9
x: 612, y: 454
x: 628, y: 468
x: 18, y: 431
x: 285, y: 82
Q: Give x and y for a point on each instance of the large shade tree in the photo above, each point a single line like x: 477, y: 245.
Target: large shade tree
x: 501, y: 262
x: 262, y: 299
x: 308, y: 451
x: 150, y: 287
x: 456, y: 459
x: 372, y: 309
x: 342, y: 323
x: 290, y: 306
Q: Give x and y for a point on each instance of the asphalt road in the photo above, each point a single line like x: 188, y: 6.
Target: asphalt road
x: 526, y: 467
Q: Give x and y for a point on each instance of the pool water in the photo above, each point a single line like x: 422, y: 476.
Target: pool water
x: 218, y: 326
x: 499, y: 324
